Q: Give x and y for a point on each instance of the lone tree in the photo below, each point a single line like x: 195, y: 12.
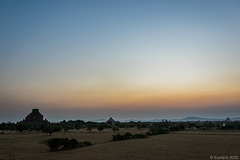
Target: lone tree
x: 100, y: 128
x: 48, y: 129
x: 139, y: 126
x: 115, y: 129
x: 89, y: 128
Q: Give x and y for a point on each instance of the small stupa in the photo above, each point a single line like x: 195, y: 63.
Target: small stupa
x: 111, y: 121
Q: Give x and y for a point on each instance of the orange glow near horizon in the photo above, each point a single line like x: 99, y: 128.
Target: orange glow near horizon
x: 133, y: 97
x: 145, y: 59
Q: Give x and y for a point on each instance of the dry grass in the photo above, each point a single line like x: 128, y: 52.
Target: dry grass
x: 178, y: 145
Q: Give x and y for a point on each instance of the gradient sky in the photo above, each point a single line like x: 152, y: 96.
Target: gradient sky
x: 124, y: 58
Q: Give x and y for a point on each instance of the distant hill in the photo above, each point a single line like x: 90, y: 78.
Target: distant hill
x: 235, y: 119
x: 204, y: 119
x: 197, y: 119
x: 200, y: 119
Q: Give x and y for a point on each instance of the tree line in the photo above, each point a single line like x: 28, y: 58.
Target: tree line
x: 64, y: 125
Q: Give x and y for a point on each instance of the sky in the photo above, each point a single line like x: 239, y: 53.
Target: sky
x: 128, y: 59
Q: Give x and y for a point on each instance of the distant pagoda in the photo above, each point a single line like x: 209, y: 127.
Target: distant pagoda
x: 111, y: 121
x: 227, y: 119
x: 35, y: 116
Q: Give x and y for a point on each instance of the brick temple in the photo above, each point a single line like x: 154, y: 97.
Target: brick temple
x: 35, y: 116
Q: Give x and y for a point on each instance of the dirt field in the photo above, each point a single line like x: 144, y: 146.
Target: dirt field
x: 184, y: 145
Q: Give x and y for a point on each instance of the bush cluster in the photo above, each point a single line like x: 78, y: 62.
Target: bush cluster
x: 56, y: 144
x: 119, y: 137
x: 140, y: 136
x: 176, y: 128
x: 127, y: 135
x: 157, y: 130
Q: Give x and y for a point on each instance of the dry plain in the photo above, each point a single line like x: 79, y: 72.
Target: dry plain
x: 182, y: 145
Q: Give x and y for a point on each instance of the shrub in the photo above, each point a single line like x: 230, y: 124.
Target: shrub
x: 114, y: 129
x: 89, y: 129
x: 100, y: 128
x: 56, y: 144
x: 158, y: 130
x: 140, y: 136
x: 69, y: 143
x: 118, y: 137
x: 149, y: 133
x: 174, y: 128
x: 127, y: 135
x: 85, y: 144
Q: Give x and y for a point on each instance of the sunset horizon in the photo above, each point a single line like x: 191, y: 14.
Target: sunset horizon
x: 124, y: 59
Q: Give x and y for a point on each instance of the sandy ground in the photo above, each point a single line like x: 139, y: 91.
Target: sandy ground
x: 183, y: 145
